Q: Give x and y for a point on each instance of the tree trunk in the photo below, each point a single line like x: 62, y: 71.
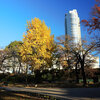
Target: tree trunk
x: 32, y: 70
x: 14, y: 65
x: 19, y: 66
x: 19, y: 71
x: 26, y: 75
x: 13, y: 70
x: 83, y: 73
x: 77, y: 76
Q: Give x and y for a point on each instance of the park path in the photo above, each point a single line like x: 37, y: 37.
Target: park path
x: 63, y: 93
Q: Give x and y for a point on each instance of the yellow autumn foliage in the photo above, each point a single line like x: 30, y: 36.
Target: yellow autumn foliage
x: 38, y: 44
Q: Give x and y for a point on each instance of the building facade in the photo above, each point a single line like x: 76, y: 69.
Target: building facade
x: 72, y: 26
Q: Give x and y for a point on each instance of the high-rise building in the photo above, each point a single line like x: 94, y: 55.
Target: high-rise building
x: 72, y: 29
x: 72, y: 26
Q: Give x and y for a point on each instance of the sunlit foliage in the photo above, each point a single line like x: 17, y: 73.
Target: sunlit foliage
x: 38, y: 44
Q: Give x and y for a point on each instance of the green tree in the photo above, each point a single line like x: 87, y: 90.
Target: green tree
x: 14, y: 53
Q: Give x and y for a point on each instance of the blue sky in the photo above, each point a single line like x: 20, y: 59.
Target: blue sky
x: 15, y: 13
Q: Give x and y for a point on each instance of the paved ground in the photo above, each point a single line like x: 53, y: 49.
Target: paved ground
x: 64, y: 93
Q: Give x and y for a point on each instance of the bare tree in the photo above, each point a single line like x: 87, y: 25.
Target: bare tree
x: 77, y: 54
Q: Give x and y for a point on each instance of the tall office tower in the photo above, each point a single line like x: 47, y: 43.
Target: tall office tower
x: 72, y: 29
x: 72, y: 26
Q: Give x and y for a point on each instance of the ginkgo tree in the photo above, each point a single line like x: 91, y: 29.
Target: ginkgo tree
x: 38, y: 45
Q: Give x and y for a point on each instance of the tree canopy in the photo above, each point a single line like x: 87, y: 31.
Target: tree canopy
x: 38, y: 44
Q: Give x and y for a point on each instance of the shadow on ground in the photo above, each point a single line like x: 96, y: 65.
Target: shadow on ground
x: 12, y: 95
x: 71, y: 93
x: 52, y: 93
